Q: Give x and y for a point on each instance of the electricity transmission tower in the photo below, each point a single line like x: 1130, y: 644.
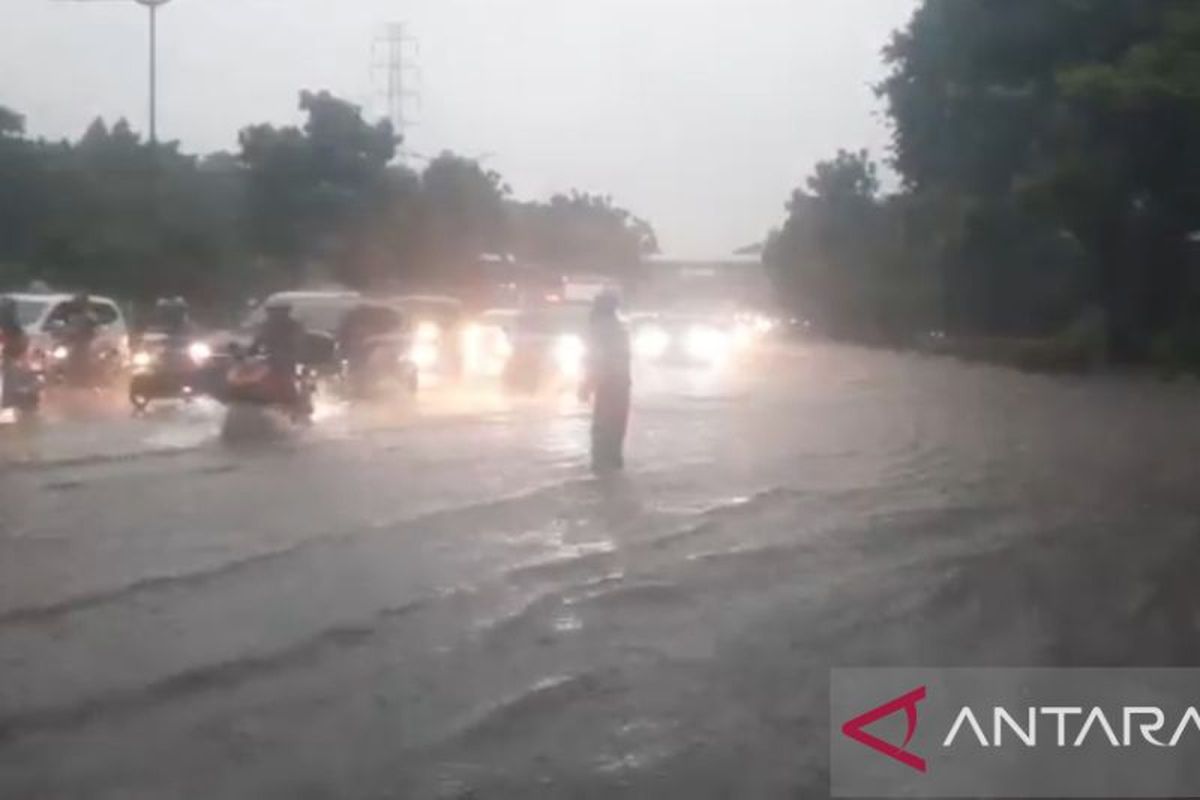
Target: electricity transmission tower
x: 392, y: 61
x: 152, y: 6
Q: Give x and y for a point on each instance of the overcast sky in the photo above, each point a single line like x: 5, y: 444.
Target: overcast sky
x: 700, y: 115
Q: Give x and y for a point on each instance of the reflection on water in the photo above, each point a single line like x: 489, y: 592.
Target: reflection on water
x: 497, y: 612
x: 18, y: 440
x: 567, y: 623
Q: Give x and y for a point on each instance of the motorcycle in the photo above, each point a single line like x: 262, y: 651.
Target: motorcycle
x: 252, y: 381
x: 167, y: 369
x: 21, y: 388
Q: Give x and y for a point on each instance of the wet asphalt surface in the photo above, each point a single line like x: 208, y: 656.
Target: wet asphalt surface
x: 439, y: 601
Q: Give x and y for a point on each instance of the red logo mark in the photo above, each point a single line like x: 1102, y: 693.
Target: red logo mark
x: 908, y: 702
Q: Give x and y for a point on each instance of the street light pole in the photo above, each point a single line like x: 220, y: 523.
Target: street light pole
x: 154, y: 74
x: 152, y: 6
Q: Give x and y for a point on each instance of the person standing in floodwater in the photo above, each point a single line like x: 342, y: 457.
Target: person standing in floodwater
x: 607, y: 384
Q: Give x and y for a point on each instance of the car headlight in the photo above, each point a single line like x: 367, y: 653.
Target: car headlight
x: 502, y: 346
x: 473, y: 348
x: 744, y: 334
x: 569, y: 352
x: 60, y: 353
x: 142, y: 359
x: 651, y: 342
x: 199, y: 352
x: 424, y: 355
x: 706, y: 343
x: 428, y: 332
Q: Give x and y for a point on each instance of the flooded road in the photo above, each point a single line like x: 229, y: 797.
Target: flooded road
x: 442, y: 602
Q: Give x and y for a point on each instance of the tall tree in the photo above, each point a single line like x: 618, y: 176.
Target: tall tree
x: 461, y: 215
x: 1059, y: 131
x: 581, y: 232
x: 314, y: 190
x: 840, y: 258
x: 110, y: 212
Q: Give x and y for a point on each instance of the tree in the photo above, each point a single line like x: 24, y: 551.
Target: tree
x: 111, y: 213
x: 1060, y: 132
x: 313, y: 191
x: 12, y: 124
x: 19, y: 177
x: 460, y: 215
x: 581, y: 233
x: 840, y: 258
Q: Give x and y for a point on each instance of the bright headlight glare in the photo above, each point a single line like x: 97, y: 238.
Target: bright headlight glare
x: 428, y: 332
x: 503, y: 345
x: 142, y: 359
x: 569, y: 352
x: 651, y: 342
x: 705, y: 343
x: 200, y: 352
x: 60, y: 353
x: 486, y: 349
x: 425, y: 355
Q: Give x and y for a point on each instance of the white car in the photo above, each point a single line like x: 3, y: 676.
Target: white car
x: 42, y: 315
x: 317, y: 311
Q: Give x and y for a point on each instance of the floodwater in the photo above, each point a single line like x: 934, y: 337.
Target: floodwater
x: 440, y: 601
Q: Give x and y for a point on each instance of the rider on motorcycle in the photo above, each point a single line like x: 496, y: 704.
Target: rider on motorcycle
x: 79, y: 333
x: 281, y: 339
x: 168, y: 363
x: 172, y: 319
x: 13, y: 339
x: 14, y: 344
x: 81, y: 321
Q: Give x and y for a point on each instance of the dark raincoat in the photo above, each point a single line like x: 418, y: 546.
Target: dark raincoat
x: 608, y: 383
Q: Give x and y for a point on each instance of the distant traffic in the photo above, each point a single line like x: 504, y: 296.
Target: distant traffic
x: 293, y: 345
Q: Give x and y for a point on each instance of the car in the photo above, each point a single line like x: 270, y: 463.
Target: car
x: 44, y: 315
x: 318, y: 311
x: 687, y: 339
x: 548, y: 346
x: 487, y: 342
x: 376, y: 347
x: 438, y: 323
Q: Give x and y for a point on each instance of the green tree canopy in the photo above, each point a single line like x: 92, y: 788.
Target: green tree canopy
x: 582, y: 232
x: 1047, y: 165
x: 323, y: 199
